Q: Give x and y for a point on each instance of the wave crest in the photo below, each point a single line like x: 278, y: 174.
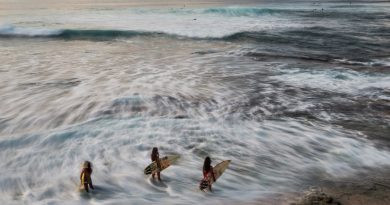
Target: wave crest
x: 245, y: 11
x: 103, y: 34
x: 18, y: 32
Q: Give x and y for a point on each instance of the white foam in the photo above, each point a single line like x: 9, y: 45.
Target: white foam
x: 183, y: 22
x: 268, y: 157
x: 339, y: 80
x: 23, y: 31
x: 63, y: 102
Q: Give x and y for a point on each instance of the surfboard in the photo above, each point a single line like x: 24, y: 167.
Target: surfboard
x: 218, y: 171
x: 164, y: 162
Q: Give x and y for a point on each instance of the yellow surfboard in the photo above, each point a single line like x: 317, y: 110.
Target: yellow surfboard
x: 164, y: 162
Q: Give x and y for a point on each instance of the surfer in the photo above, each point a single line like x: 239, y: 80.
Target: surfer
x: 208, y: 172
x: 85, y: 176
x: 155, y: 156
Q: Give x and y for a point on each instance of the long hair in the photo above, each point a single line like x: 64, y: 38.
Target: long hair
x: 207, y: 164
x: 154, y: 154
x: 87, y: 165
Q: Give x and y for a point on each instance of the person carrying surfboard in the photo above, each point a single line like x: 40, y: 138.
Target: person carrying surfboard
x: 208, y: 172
x: 85, y: 176
x: 155, y: 156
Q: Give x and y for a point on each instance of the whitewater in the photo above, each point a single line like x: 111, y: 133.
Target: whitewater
x: 292, y: 93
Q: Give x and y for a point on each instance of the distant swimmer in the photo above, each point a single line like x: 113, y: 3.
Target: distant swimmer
x: 155, y: 157
x: 85, y: 176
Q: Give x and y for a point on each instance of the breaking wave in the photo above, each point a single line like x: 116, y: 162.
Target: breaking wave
x: 305, y: 43
x: 247, y: 11
x: 18, y: 32
x: 108, y: 34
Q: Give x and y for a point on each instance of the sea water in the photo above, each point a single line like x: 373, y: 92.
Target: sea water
x: 291, y: 93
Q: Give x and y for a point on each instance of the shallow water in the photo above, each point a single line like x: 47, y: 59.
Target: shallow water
x: 290, y: 94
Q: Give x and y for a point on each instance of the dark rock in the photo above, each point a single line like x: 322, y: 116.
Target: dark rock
x: 316, y: 197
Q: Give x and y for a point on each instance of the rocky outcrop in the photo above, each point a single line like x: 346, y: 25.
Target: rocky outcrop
x: 316, y: 196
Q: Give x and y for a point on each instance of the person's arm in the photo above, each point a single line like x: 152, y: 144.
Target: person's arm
x: 158, y: 162
x: 81, y: 174
x: 90, y: 180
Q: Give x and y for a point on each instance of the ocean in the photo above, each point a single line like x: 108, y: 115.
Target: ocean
x: 292, y: 93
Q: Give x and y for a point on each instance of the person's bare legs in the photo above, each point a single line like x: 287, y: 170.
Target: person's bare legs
x: 158, y: 176
x: 210, y: 188
x: 90, y: 185
x: 86, y: 187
